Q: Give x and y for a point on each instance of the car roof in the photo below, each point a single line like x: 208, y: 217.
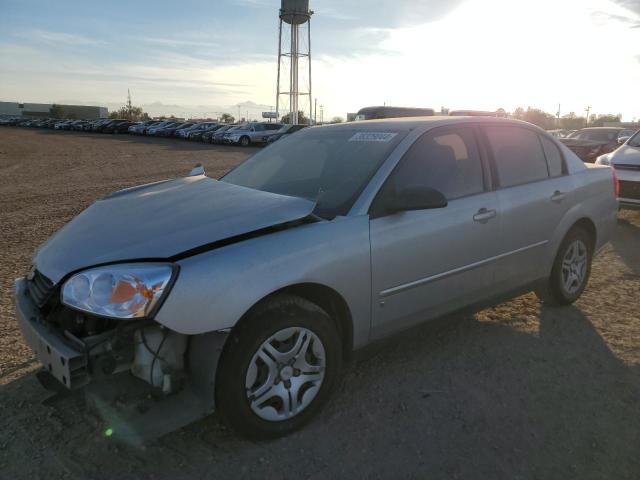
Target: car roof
x: 409, y: 123
x: 604, y: 129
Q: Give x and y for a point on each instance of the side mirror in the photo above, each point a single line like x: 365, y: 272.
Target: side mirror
x: 416, y: 198
x: 622, y: 140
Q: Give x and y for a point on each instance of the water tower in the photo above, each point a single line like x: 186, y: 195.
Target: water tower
x: 294, y: 16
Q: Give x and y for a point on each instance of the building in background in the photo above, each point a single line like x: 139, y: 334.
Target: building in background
x: 52, y: 110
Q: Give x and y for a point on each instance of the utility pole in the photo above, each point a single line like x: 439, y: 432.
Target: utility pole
x: 558, y: 117
x: 315, y: 113
x: 587, y: 122
x: 129, y: 106
x: 321, y: 113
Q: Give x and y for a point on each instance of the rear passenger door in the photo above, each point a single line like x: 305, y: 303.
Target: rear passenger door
x: 427, y: 262
x: 533, y: 195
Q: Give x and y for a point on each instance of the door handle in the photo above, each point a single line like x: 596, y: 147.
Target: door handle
x: 484, y: 215
x: 558, y: 196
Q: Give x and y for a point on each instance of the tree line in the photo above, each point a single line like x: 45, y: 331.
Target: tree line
x: 570, y: 121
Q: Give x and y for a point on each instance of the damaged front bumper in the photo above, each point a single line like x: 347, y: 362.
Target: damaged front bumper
x: 137, y: 391
x: 66, y: 364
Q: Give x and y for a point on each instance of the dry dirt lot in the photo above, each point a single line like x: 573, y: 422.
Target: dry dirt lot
x: 519, y: 391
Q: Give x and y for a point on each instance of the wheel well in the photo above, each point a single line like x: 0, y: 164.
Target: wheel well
x: 330, y: 301
x: 588, y: 226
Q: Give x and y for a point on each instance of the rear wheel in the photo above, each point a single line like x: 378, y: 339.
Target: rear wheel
x: 278, y: 368
x: 571, y: 269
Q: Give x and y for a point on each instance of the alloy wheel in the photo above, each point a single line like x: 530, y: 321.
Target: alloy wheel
x: 574, y: 266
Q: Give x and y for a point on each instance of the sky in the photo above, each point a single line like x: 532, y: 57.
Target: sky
x: 199, y: 58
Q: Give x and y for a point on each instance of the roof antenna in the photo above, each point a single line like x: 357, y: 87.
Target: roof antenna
x: 197, y: 171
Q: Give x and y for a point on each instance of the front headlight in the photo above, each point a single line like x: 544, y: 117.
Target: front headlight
x: 119, y: 291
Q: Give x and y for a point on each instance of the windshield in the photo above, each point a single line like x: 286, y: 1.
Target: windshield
x: 635, y: 140
x: 328, y: 165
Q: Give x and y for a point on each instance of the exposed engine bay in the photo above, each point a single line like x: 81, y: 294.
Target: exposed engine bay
x: 150, y: 352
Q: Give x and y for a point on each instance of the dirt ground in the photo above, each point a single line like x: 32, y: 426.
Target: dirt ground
x: 519, y: 391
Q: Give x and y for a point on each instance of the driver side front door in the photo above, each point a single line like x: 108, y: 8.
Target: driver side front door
x: 425, y: 263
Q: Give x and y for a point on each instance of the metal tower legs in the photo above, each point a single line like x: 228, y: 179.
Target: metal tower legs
x: 294, y: 89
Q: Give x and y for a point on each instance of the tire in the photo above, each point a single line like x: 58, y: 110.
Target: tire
x: 569, y: 277
x: 248, y: 391
x: 245, y: 141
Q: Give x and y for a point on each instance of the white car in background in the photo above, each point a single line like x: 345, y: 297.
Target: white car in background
x: 626, y: 162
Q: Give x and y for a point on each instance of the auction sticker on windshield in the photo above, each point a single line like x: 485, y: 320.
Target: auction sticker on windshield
x: 372, y: 137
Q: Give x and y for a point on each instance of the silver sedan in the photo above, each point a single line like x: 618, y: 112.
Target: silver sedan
x: 246, y: 295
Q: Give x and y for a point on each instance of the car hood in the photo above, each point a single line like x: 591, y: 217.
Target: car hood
x: 163, y: 220
x: 626, y: 155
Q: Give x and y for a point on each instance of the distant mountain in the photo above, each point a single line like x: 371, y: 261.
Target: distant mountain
x: 158, y: 108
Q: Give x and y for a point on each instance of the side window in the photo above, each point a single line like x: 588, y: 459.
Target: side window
x: 518, y: 155
x: 554, y: 157
x: 447, y: 160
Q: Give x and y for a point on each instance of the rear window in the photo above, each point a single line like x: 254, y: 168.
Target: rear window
x: 596, y: 135
x: 518, y: 155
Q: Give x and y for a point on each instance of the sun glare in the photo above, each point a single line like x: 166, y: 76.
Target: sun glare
x: 498, y: 53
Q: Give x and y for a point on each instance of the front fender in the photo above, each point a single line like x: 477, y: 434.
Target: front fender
x: 216, y: 288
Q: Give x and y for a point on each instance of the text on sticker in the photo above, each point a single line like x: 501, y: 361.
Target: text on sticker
x: 372, y: 137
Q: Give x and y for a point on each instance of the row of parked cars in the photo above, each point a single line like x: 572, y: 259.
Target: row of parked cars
x: 590, y: 143
x: 244, y: 134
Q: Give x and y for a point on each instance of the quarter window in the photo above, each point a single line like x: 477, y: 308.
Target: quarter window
x: 518, y: 155
x: 445, y: 160
x: 554, y: 157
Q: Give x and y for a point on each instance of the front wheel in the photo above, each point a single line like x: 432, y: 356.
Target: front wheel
x: 278, y: 368
x: 245, y: 141
x: 571, y: 269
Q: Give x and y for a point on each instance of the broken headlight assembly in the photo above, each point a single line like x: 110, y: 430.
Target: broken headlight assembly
x: 124, y: 291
